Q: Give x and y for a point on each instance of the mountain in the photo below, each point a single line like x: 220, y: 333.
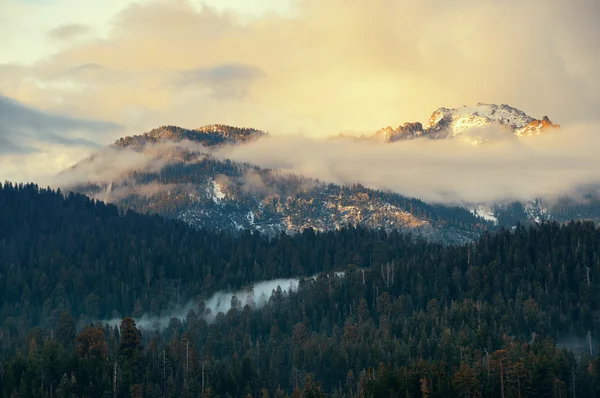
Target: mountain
x: 466, y: 122
x: 473, y: 125
x: 193, y: 186
x: 210, y: 135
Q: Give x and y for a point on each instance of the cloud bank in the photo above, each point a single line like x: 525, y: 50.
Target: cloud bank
x: 109, y: 164
x: 442, y: 171
x: 553, y: 164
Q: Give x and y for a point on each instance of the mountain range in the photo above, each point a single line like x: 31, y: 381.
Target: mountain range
x: 208, y: 192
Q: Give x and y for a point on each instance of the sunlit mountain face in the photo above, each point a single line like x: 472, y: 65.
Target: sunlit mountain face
x: 466, y: 124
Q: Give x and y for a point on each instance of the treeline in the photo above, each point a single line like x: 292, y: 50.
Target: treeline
x: 494, y: 318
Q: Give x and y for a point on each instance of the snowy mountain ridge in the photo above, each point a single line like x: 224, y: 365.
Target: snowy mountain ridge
x: 464, y: 123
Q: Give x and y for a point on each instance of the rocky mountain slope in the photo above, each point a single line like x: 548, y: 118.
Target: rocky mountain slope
x: 466, y: 123
x: 472, y: 125
x: 203, y: 191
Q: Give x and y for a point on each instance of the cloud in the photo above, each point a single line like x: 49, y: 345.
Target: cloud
x: 25, y: 126
x: 108, y: 164
x: 331, y: 67
x: 451, y: 171
x: 555, y: 163
x: 442, y: 171
x: 7, y: 146
x: 26, y: 131
x: 328, y: 67
x: 227, y: 81
x: 68, y: 32
x: 255, y: 296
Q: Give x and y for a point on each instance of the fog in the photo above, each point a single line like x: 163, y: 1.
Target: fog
x: 552, y: 164
x: 255, y: 296
x: 578, y: 345
x: 116, y: 164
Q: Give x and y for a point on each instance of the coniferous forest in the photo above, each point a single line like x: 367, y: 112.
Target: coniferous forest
x: 514, y: 314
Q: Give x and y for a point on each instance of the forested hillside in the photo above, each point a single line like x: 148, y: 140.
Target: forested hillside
x: 505, y: 316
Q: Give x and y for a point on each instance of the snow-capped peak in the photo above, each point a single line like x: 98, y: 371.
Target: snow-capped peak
x: 503, y: 114
x: 467, y: 122
x: 458, y: 120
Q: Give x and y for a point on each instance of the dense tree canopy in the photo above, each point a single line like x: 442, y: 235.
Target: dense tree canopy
x: 508, y: 315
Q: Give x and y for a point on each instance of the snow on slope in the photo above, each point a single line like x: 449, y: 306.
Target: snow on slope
x: 469, y: 124
x: 215, y: 191
x: 484, y: 212
x: 460, y: 120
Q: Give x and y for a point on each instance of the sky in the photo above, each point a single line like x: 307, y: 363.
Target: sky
x: 94, y: 71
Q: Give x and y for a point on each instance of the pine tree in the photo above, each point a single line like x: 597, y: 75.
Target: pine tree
x: 465, y: 382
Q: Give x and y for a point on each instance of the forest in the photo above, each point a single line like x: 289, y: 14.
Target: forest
x: 515, y: 313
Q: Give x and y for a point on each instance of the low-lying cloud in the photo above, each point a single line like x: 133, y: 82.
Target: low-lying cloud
x: 255, y: 297
x: 448, y: 171
x: 553, y: 164
x: 110, y: 164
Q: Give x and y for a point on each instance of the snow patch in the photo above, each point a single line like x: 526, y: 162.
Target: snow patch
x: 482, y: 115
x: 218, y: 190
x: 535, y: 212
x: 484, y: 212
x: 250, y: 217
x: 215, y: 191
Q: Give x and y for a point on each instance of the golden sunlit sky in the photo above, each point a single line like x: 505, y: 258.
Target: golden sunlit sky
x: 110, y: 68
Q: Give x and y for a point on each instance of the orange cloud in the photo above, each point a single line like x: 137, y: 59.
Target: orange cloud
x: 332, y: 66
